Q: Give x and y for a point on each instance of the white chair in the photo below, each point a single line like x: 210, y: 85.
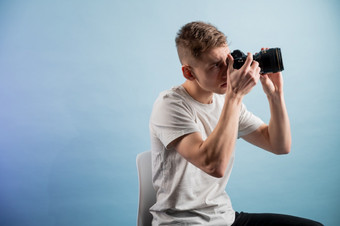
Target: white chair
x: 147, y: 194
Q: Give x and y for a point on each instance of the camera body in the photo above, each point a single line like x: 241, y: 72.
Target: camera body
x: 270, y: 60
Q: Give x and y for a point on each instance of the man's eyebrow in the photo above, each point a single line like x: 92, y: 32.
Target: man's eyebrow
x: 216, y: 61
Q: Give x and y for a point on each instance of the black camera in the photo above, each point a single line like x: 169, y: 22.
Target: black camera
x: 270, y: 60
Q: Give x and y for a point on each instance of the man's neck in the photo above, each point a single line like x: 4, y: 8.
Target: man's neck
x: 196, y: 92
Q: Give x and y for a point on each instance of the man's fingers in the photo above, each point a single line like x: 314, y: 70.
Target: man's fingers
x: 248, y: 62
x: 254, y: 65
x: 230, y: 61
x: 258, y: 70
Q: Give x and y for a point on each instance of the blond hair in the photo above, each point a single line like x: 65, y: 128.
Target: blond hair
x: 196, y: 38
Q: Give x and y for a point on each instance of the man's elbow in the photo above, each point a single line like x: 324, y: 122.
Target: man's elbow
x: 283, y: 150
x: 215, y: 170
x: 216, y: 166
x: 218, y: 173
x: 218, y: 170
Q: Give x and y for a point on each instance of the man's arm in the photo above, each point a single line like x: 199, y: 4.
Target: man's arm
x: 213, y: 154
x: 275, y: 137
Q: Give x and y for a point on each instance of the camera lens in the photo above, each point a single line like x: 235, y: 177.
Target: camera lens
x: 270, y: 60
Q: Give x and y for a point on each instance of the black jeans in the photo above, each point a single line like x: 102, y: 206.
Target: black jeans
x: 263, y: 219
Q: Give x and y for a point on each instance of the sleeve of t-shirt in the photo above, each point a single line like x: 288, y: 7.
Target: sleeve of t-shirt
x: 171, y: 118
x: 248, y: 122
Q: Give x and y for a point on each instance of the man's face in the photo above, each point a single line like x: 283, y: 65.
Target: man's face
x: 210, y: 71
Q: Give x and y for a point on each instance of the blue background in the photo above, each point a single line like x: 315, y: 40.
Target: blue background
x: 78, y: 80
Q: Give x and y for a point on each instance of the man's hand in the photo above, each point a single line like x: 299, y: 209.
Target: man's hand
x: 241, y: 81
x: 272, y: 83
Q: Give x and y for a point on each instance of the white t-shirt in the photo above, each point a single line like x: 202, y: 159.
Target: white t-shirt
x: 186, y: 195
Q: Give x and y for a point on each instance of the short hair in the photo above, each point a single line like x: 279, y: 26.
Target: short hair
x: 198, y: 37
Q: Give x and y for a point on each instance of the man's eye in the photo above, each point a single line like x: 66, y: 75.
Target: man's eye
x: 216, y: 66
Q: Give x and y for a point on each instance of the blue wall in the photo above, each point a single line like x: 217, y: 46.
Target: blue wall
x: 77, y: 84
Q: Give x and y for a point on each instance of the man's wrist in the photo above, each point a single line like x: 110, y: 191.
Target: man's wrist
x: 237, y: 98
x: 276, y: 97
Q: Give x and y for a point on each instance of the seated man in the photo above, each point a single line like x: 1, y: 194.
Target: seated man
x: 194, y: 128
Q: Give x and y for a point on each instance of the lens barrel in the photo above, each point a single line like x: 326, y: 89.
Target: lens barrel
x: 270, y: 60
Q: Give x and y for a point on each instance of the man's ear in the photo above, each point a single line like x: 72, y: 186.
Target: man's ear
x: 187, y: 72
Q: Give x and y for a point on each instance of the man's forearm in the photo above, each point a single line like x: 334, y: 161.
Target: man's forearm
x: 212, y: 155
x: 219, y: 145
x: 279, y: 126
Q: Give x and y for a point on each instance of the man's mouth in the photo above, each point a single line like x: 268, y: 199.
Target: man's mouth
x: 224, y: 85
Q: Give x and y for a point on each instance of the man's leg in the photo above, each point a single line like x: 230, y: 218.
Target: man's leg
x: 267, y: 219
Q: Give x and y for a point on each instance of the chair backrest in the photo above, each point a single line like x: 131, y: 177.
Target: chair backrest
x: 147, y: 194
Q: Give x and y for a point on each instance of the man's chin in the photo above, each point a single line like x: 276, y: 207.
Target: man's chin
x: 221, y: 91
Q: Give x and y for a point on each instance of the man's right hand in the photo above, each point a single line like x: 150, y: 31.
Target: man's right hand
x: 241, y: 81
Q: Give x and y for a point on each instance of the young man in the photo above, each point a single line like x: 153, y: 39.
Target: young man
x: 194, y: 128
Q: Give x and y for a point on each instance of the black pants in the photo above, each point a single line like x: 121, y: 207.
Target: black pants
x: 263, y: 219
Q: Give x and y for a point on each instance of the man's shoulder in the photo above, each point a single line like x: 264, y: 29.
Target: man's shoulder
x: 175, y: 92
x: 175, y: 95
x: 172, y: 102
